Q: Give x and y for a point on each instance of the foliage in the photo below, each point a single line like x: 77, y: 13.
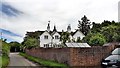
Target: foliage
x: 78, y: 40
x: 110, y: 31
x: 5, y: 48
x: 15, y: 46
x: 0, y: 61
x: 31, y: 40
x: 84, y: 25
x: 65, y: 37
x: 5, y: 61
x: 5, y: 53
x: 30, y: 43
x: 97, y: 39
x: 94, y: 39
x: 43, y: 62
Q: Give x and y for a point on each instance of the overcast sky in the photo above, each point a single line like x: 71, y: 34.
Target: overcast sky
x: 37, y: 13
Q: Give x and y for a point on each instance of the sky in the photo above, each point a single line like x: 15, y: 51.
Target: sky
x: 119, y: 11
x: 20, y: 16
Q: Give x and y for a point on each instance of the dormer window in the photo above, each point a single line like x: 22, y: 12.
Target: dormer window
x: 56, y: 37
x: 46, y: 37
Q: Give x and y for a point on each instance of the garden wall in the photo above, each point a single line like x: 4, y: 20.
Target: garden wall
x: 74, y: 56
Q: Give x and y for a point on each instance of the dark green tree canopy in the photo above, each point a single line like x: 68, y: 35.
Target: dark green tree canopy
x: 84, y: 25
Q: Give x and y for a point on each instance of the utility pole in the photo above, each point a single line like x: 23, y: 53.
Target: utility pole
x: 1, y: 34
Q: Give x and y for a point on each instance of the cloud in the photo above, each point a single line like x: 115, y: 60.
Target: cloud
x: 9, y: 32
x: 12, y: 38
x: 8, y: 10
x: 60, y: 12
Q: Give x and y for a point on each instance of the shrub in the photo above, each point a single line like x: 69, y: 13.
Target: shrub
x: 97, y: 39
x: 5, y: 48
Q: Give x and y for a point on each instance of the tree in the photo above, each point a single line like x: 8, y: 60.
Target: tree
x: 78, y: 40
x: 84, y: 25
x: 106, y: 23
x: 96, y: 27
x: 30, y: 43
x: 5, y: 40
x: 94, y: 39
x: 110, y: 32
x: 65, y: 37
x: 15, y: 46
x: 97, y: 39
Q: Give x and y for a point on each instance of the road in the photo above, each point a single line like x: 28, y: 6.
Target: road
x: 17, y: 60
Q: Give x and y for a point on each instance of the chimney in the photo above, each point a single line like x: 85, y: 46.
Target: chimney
x: 48, y: 27
x: 69, y: 28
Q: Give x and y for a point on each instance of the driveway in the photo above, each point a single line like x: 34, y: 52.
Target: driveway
x: 17, y: 60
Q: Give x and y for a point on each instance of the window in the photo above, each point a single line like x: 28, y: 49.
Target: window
x: 46, y: 45
x: 45, y: 37
x: 56, y: 37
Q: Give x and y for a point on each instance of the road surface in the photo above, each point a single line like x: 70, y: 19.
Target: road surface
x: 17, y: 60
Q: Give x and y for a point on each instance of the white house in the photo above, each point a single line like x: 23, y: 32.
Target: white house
x: 78, y: 34
x: 45, y: 38
x: 50, y: 38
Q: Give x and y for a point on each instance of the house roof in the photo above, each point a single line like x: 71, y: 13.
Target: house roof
x: 38, y: 33
x: 77, y: 45
x: 76, y: 32
x: 53, y: 33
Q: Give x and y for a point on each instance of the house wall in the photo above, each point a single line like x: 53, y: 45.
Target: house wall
x: 56, y: 40
x: 78, y: 34
x: 70, y: 36
x: 74, y: 56
x: 45, y: 41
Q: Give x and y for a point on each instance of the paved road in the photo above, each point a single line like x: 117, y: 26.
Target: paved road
x: 17, y: 60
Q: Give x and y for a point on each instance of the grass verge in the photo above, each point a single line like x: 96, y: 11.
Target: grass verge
x: 0, y: 61
x: 4, y: 61
x: 44, y: 62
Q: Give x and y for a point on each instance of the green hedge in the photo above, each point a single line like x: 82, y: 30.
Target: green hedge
x: 5, y: 48
x: 4, y: 59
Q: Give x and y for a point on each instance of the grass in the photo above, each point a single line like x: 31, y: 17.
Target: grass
x: 44, y: 62
x: 0, y: 61
x: 4, y: 61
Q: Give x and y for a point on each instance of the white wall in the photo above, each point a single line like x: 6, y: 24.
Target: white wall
x: 45, y: 41
x: 78, y: 34
x: 49, y: 40
x: 56, y: 40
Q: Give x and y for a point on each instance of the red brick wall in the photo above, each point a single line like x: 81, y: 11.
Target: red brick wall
x: 73, y: 56
x: 89, y: 56
x: 61, y: 55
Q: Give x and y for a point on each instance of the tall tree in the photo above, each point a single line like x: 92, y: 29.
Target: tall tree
x: 84, y: 25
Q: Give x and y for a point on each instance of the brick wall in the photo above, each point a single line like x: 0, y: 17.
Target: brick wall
x: 61, y: 55
x: 73, y: 56
x: 89, y: 56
